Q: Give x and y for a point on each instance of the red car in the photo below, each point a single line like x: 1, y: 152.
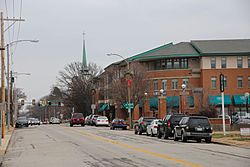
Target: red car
x: 77, y: 119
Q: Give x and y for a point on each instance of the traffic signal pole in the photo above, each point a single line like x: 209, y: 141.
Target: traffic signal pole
x: 2, y: 74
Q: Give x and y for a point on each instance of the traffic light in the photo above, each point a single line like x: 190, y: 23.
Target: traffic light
x: 222, y: 83
x: 33, y: 102
x: 22, y: 102
x: 12, y: 79
x: 59, y: 103
x: 49, y: 102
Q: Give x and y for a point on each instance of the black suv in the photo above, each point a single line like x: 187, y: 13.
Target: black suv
x: 166, y: 129
x: 194, y: 127
x: 142, y: 123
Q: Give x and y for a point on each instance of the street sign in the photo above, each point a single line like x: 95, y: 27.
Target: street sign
x: 130, y: 105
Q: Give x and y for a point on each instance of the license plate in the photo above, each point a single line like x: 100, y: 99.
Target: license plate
x: 199, y: 129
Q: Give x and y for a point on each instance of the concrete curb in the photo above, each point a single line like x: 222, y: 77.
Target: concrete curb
x: 6, y: 141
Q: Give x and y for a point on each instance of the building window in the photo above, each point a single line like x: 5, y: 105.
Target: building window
x: 213, y: 81
x: 223, y: 62
x: 184, y: 63
x: 248, y: 82
x: 164, y: 85
x: 225, y: 81
x: 155, y: 86
x: 158, y: 65
x: 240, y: 82
x: 176, y: 63
x: 213, y: 62
x: 169, y: 63
x: 248, y: 61
x: 174, y: 84
x: 239, y: 62
x: 185, y: 81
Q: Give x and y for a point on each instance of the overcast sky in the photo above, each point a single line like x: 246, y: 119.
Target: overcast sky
x: 126, y: 27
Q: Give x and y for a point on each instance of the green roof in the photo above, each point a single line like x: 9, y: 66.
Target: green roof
x: 182, y: 49
x: 222, y: 47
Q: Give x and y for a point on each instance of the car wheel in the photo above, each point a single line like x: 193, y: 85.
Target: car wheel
x: 208, y: 140
x: 71, y: 125
x: 198, y: 140
x: 147, y: 133
x: 83, y: 125
x: 158, y: 134
x: 165, y: 135
x: 140, y: 131
x: 183, y: 138
x: 136, y: 132
x: 175, y: 137
x: 152, y: 134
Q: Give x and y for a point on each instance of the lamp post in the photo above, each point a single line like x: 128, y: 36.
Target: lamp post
x: 9, y: 82
x: 183, y: 86
x: 128, y: 86
x: 145, y: 98
x: 247, y: 96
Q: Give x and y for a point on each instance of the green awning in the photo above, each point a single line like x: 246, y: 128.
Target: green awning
x: 153, y: 102
x: 103, y: 107
x: 216, y: 100
x: 173, y: 101
x: 240, y: 100
x: 191, y: 101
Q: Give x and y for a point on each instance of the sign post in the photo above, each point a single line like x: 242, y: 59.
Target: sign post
x: 222, y: 102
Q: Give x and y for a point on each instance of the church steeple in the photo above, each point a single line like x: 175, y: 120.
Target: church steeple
x: 84, y: 57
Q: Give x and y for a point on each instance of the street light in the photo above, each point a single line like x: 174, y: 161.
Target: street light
x: 129, y: 84
x: 247, y: 96
x: 8, y: 74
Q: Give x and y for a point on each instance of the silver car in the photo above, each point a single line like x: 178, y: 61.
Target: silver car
x: 152, y: 127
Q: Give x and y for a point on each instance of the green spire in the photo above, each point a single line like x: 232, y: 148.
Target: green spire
x: 84, y: 57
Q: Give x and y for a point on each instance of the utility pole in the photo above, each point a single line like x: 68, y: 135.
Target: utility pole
x: 2, y: 73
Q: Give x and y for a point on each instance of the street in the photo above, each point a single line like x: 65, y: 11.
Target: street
x: 61, y: 145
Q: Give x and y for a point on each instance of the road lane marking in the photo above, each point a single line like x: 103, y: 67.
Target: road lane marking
x: 127, y: 146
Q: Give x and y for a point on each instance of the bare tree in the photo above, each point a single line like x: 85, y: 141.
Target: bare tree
x: 138, y: 86
x: 76, y: 86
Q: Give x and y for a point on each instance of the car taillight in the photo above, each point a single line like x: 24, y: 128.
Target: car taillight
x: 155, y: 126
x: 169, y: 124
x: 98, y: 120
x: 107, y: 120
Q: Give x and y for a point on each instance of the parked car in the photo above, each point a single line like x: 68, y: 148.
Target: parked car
x: 226, y: 117
x: 118, y: 123
x: 36, y: 121
x: 93, y: 119
x: 33, y: 121
x: 195, y: 128
x: 54, y: 120
x: 77, y: 119
x: 87, y: 120
x: 22, y: 121
x: 142, y: 123
x: 152, y: 127
x: 101, y: 121
x: 166, y: 128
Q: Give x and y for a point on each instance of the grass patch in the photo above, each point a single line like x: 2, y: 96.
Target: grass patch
x: 242, y: 139
x: 220, y: 135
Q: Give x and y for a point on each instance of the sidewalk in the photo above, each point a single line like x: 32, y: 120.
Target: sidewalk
x: 5, y: 142
x: 232, y: 138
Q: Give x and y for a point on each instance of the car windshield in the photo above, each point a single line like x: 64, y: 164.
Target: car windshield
x: 21, y: 118
x: 77, y: 115
x: 148, y: 120
x: 198, y: 121
x: 176, y: 119
x: 102, y: 118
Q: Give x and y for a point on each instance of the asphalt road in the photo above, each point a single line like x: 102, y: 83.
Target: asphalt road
x: 64, y: 146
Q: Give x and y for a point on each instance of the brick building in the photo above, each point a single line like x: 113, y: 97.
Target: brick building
x: 196, y: 64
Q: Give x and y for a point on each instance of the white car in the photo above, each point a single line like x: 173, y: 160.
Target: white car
x: 54, y: 120
x: 152, y: 127
x: 102, y: 121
